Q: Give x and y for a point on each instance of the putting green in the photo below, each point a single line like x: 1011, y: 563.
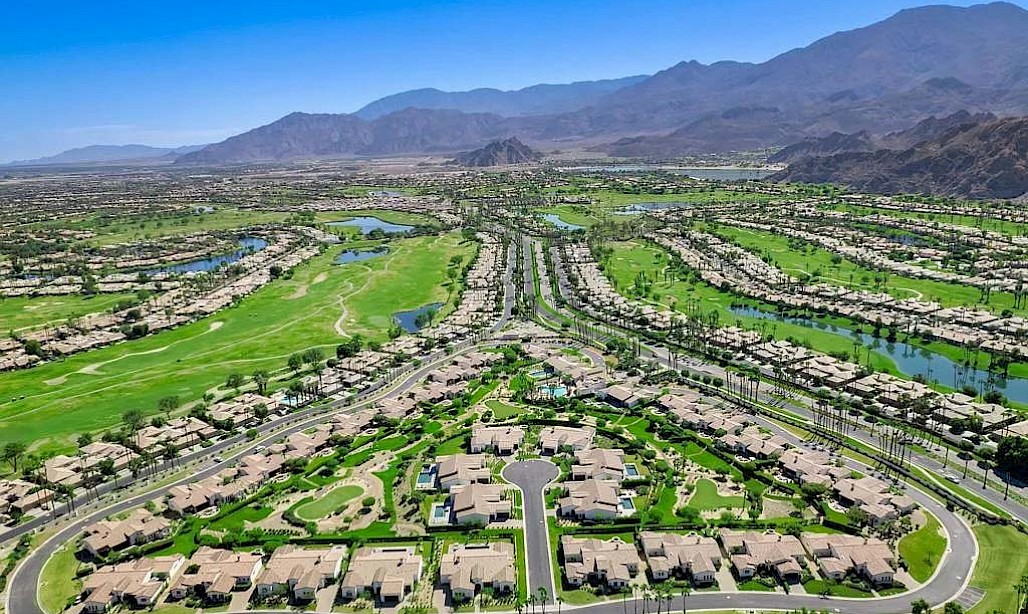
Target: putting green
x: 333, y: 501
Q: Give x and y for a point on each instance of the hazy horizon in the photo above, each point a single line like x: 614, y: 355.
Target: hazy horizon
x: 188, y: 76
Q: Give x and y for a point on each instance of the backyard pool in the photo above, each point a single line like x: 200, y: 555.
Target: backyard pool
x: 631, y: 470
x: 554, y: 392
x: 627, y: 504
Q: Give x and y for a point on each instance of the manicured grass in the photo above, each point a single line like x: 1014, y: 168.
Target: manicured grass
x: 57, y: 583
x: 334, y: 500
x: 923, y: 549
x: 133, y: 229
x: 815, y: 587
x: 1002, y: 560
x: 236, y: 521
x: 502, y: 411
x: 23, y: 313
x: 453, y: 445
x: 846, y: 273
x: 665, y: 505
x: 630, y: 258
x: 90, y: 391
x: 753, y: 585
x: 706, y: 498
x: 387, y: 477
x: 390, y: 443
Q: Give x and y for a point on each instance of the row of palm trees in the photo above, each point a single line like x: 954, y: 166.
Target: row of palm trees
x: 661, y: 596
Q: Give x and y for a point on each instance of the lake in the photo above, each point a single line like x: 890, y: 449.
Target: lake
x: 638, y: 208
x: 358, y: 255
x: 247, y: 246
x: 408, y: 320
x: 554, y: 219
x: 367, y: 224
x: 909, y: 359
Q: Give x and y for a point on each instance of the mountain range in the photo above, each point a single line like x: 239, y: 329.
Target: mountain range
x: 984, y: 157
x: 93, y: 154
x: 932, y: 60
x: 534, y: 100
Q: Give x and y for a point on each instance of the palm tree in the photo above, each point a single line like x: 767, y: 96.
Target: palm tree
x: 686, y: 591
x: 543, y: 596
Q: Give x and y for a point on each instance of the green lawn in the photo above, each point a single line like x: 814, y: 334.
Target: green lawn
x: 334, y: 500
x: 706, y: 498
x: 923, y: 549
x: 630, y: 258
x: 389, y: 444
x: 754, y: 585
x: 236, y: 521
x: 815, y: 260
x: 815, y: 587
x: 24, y: 313
x: 453, y: 445
x: 90, y: 391
x: 134, y: 229
x: 57, y: 583
x: 1002, y: 560
x: 502, y: 411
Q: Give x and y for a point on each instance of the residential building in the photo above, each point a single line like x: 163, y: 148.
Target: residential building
x: 598, y: 561
x: 467, y: 568
x: 300, y: 572
x: 502, y: 440
x: 386, y: 573
x: 688, y: 556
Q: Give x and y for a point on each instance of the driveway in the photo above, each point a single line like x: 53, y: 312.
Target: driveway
x: 532, y: 476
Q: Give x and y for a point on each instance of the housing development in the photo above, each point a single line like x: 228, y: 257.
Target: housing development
x: 740, y: 337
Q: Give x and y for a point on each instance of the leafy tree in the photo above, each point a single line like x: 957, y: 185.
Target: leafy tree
x: 295, y: 362
x: 168, y: 404
x: 133, y: 420
x: 260, y: 380
x: 12, y: 452
x: 235, y: 380
x: 920, y: 607
x: 1012, y: 455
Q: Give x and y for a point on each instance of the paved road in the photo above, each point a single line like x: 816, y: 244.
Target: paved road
x: 22, y: 596
x: 532, y: 476
x: 861, y: 432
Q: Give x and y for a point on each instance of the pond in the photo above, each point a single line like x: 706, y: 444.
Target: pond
x: 247, y: 246
x: 554, y: 219
x: 367, y: 224
x: 909, y: 359
x: 638, y: 208
x: 358, y: 255
x: 414, y: 320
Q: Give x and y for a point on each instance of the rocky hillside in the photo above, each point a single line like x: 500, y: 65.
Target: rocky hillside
x: 984, y: 160
x: 837, y: 142
x: 500, y: 153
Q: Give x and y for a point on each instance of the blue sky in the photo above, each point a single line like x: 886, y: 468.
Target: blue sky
x: 184, y: 72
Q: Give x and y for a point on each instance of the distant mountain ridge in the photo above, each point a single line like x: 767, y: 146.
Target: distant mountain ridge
x: 987, y: 159
x: 105, y: 153
x: 542, y: 99
x: 886, y: 77
x: 499, y: 153
x: 837, y: 142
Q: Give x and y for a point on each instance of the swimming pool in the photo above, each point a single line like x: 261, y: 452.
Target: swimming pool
x: 631, y: 470
x: 627, y: 504
x: 555, y: 392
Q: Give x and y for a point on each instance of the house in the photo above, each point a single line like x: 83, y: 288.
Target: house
x: 135, y: 583
x: 462, y: 469
x: 19, y: 496
x: 620, y: 396
x: 590, y: 500
x: 553, y: 438
x: 874, y: 497
x: 467, y: 568
x: 753, y: 552
x: 215, y: 573
x: 141, y: 526
x: 670, y: 554
x: 299, y: 572
x: 594, y: 560
x: 502, y: 440
x: 838, y: 555
x: 599, y: 464
x: 479, y: 504
x: 386, y: 573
